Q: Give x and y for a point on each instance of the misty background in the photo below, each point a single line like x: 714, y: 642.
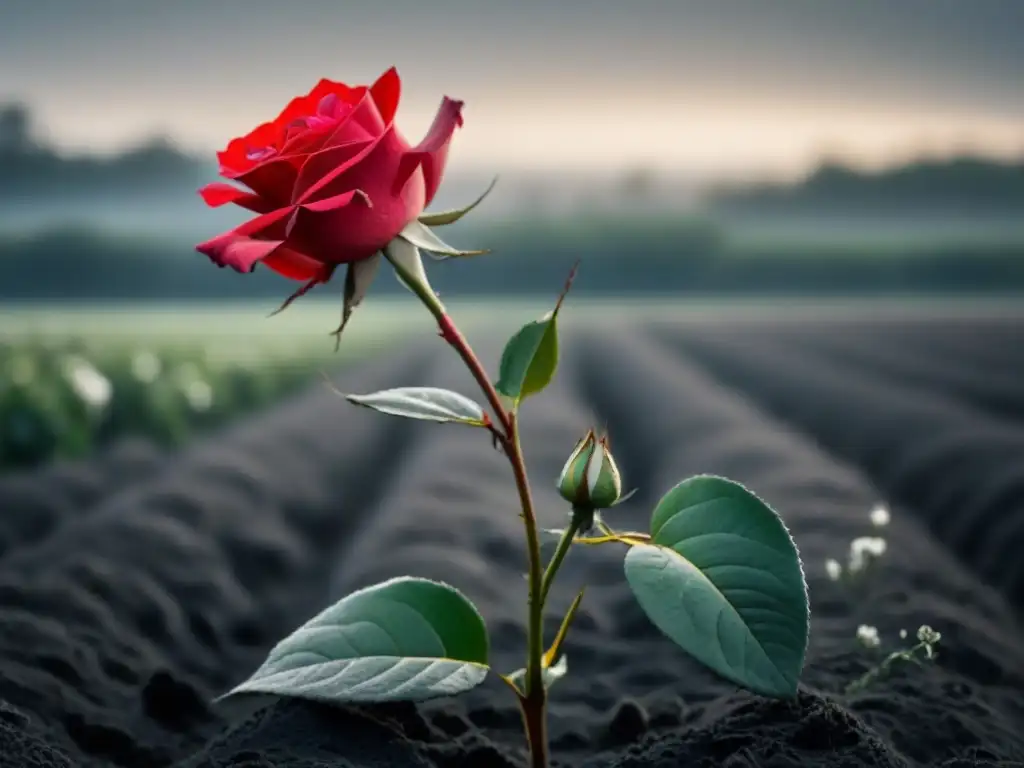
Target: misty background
x: 679, y: 147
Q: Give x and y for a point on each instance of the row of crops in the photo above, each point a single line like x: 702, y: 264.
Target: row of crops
x: 67, y: 398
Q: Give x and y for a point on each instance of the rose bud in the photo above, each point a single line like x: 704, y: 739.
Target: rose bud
x: 590, y: 478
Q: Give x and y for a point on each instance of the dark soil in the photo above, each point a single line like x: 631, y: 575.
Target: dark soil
x: 136, y: 587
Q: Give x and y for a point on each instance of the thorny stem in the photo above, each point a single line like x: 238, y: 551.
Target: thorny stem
x: 534, y: 699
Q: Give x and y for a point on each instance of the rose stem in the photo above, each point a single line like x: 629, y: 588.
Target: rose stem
x: 564, y: 545
x: 534, y: 702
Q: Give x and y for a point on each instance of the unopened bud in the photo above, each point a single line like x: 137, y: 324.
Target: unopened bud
x: 590, y: 478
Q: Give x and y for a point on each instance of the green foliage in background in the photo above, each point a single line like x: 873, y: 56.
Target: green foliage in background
x: 65, y: 398
x: 624, y: 255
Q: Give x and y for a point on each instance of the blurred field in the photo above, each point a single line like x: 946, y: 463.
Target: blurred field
x: 66, y: 399
x: 73, y: 379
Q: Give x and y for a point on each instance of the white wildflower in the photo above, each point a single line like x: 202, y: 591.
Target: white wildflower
x: 880, y: 516
x: 928, y: 635
x: 833, y: 569
x: 868, y: 636
x: 863, y: 550
x: 903, y: 634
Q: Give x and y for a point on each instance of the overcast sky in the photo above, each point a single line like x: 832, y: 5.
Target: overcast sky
x: 708, y: 86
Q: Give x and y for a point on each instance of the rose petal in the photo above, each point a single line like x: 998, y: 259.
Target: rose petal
x: 363, y: 122
x: 249, y: 243
x: 235, y: 158
x: 272, y: 180
x: 294, y: 265
x: 322, y: 167
x: 386, y: 93
x: 218, y: 194
x: 431, y: 154
x: 336, y: 230
x: 302, y: 143
x: 328, y: 105
x: 372, y: 170
x: 304, y: 106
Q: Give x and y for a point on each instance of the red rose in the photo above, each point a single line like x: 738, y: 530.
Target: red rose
x: 333, y: 182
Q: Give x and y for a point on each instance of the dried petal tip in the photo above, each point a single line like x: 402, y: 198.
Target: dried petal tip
x: 590, y: 478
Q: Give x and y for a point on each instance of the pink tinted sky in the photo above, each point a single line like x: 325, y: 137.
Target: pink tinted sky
x: 709, y: 87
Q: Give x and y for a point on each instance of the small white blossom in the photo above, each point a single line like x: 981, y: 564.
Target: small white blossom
x: 903, y: 634
x: 863, y: 550
x: 880, y: 516
x: 868, y: 636
x: 89, y: 384
x: 146, y: 367
x: 928, y: 635
x: 833, y: 569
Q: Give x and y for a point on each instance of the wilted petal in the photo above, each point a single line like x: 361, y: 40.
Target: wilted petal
x: 431, y: 154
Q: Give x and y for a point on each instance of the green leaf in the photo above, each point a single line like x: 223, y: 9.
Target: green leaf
x: 442, y: 218
x: 427, y: 403
x: 530, y: 357
x: 722, y: 578
x: 423, y: 238
x: 407, y: 639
